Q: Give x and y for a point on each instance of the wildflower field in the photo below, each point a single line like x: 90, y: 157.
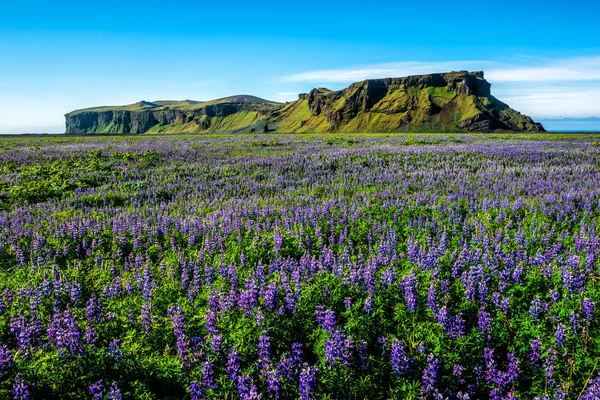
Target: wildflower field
x: 299, y: 266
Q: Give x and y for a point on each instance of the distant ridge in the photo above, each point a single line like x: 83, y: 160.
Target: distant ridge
x: 446, y: 102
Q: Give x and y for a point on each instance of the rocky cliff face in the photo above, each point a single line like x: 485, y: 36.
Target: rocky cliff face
x: 449, y: 102
x: 453, y: 102
x: 219, y: 115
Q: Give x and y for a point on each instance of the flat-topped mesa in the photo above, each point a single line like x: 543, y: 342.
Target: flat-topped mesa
x: 453, y: 101
x: 471, y: 83
x: 221, y: 115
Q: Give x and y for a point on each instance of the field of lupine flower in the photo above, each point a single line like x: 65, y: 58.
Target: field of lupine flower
x: 311, y: 267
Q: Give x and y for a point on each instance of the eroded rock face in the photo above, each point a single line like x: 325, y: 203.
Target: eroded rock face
x: 133, y: 121
x: 414, y: 100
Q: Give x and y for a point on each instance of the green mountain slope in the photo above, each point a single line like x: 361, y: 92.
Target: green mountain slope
x: 221, y: 115
x: 451, y: 102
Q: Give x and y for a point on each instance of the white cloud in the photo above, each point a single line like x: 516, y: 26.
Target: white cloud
x: 404, y: 68
x: 537, y: 70
x: 552, y: 101
x: 567, y: 70
x: 542, y: 88
x: 286, y: 96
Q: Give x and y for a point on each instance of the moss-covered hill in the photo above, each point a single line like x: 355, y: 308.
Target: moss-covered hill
x: 454, y: 102
x: 450, y: 102
x: 228, y: 114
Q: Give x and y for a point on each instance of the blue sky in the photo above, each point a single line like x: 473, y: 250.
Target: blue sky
x: 542, y: 57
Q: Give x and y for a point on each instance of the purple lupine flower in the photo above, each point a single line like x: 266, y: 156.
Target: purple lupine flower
x: 368, y: 305
x: 297, y: 353
x: 325, y: 319
x: 286, y: 367
x: 457, y: 327
x: 75, y: 293
x: 592, y: 391
x: 148, y: 284
x: 246, y: 388
x: 573, y: 279
x: 409, y: 283
x: 233, y: 366
x: 588, y: 309
x: 264, y: 349
x: 537, y: 308
x: 115, y: 392
x: 20, y: 389
x: 270, y: 296
x: 90, y: 335
x: 26, y: 330
x: 535, y: 353
x: 308, y: 382
x: 429, y: 379
x: 215, y: 343
x: 458, y: 371
x: 248, y: 298
x: 512, y: 374
x: 197, y: 347
x: 575, y: 323
x: 484, y: 322
x: 502, y: 302
x: 347, y: 303
x: 493, y: 376
x: 260, y: 317
x: 560, y: 395
x: 432, y: 298
x: 210, y: 322
x: 97, y: 390
x: 388, y: 277
x: 363, y: 355
x: 94, y: 311
x: 338, y: 348
x: 347, y: 351
x: 560, y: 335
x: 146, y: 318
x: 114, y: 351
x: 64, y: 333
x: 208, y: 375
x: 549, y: 364
x: 400, y: 363
x: 273, y: 380
x: 34, y: 303
x: 196, y: 391
x: 6, y: 359
x: 178, y: 318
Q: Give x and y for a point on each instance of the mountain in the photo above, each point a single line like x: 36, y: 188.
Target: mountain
x: 448, y: 102
x: 221, y: 115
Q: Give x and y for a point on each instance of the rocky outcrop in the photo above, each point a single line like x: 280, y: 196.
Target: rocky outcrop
x: 455, y: 101
x: 123, y: 121
x: 163, y: 116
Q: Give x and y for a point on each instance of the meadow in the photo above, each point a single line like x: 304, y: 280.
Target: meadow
x: 300, y: 266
